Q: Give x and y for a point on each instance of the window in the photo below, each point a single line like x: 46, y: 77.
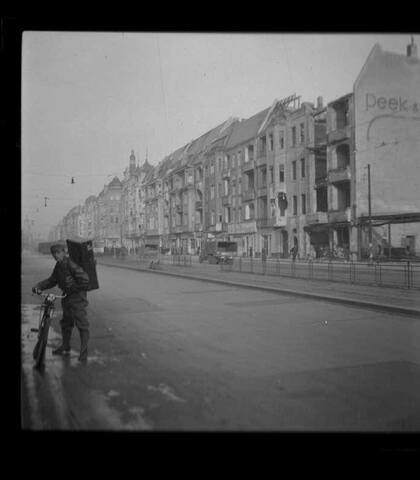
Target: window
x: 227, y: 214
x: 302, y: 167
x: 212, y: 192
x: 263, y: 145
x: 239, y: 214
x: 263, y: 177
x: 281, y: 139
x: 220, y: 164
x: 212, y: 168
x: 294, y: 170
x: 294, y: 205
x: 302, y: 133
x: 303, y: 199
x: 293, y: 136
x: 271, y: 141
x: 247, y: 216
x: 270, y: 175
x: 281, y: 168
x: 250, y: 150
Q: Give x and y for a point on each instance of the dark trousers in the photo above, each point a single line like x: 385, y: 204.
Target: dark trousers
x: 74, y: 311
x: 74, y: 315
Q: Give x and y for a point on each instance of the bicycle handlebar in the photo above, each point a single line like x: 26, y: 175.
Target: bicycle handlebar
x: 51, y: 295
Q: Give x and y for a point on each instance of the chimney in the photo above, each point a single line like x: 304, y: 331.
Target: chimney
x: 412, y: 49
x: 319, y: 102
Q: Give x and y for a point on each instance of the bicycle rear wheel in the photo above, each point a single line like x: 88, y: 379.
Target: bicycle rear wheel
x: 41, y: 345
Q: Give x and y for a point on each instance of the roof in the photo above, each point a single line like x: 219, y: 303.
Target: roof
x: 391, y: 60
x: 340, y: 99
x: 146, y: 167
x: 115, y: 182
x: 91, y: 198
x: 246, y: 129
x: 199, y: 145
x: 150, y: 175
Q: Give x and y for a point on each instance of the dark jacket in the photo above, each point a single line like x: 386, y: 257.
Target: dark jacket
x: 68, y: 276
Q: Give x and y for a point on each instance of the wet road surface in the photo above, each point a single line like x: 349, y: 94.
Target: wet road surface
x: 176, y: 354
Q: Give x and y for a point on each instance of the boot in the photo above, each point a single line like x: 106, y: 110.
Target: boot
x: 84, y: 339
x: 64, y: 348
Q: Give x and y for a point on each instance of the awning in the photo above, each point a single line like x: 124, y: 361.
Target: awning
x: 410, y: 217
x: 317, y: 227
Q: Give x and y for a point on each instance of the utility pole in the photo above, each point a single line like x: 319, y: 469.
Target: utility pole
x: 369, y: 205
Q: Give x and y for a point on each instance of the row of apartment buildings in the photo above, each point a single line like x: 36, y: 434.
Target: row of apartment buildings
x: 294, y: 174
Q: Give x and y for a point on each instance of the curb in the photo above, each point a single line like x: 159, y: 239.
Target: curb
x: 313, y: 296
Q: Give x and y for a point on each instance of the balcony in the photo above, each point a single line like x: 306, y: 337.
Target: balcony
x: 261, y: 158
x: 317, y: 217
x: 225, y: 199
x: 249, y: 165
x: 249, y: 226
x: 198, y: 227
x: 248, y: 195
x: 339, y: 216
x: 178, y: 208
x: 176, y: 188
x: 271, y: 222
x: 338, y: 135
x: 262, y: 192
x: 265, y: 222
x: 198, y: 205
x: 338, y: 175
x: 179, y: 229
x: 280, y: 221
x: 225, y: 173
x: 151, y: 231
x: 321, y: 180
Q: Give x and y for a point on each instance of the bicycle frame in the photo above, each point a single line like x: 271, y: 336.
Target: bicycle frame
x: 46, y: 313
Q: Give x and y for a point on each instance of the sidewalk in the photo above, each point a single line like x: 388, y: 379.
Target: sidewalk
x: 380, y: 298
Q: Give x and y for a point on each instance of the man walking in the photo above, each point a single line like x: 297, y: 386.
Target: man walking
x: 74, y: 282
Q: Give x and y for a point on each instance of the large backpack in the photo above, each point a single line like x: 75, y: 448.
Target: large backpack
x: 81, y: 252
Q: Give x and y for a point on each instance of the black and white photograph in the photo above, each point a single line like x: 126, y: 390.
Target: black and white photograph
x: 220, y: 231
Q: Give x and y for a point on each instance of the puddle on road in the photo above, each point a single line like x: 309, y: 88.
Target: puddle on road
x: 47, y: 387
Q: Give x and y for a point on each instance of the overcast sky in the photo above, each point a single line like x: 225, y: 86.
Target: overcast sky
x: 89, y: 98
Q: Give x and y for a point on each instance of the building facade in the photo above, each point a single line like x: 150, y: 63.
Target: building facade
x: 336, y: 181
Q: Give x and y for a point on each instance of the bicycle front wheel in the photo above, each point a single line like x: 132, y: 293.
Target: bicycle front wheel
x: 41, y: 345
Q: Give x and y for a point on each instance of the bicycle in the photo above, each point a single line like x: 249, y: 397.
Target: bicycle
x: 45, y: 316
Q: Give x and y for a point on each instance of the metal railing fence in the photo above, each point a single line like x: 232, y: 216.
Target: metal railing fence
x: 401, y: 274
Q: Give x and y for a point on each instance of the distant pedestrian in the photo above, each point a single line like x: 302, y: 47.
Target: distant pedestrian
x: 370, y: 251
x: 293, y: 252
x: 250, y: 252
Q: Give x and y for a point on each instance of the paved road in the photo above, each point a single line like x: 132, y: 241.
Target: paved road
x: 170, y: 353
